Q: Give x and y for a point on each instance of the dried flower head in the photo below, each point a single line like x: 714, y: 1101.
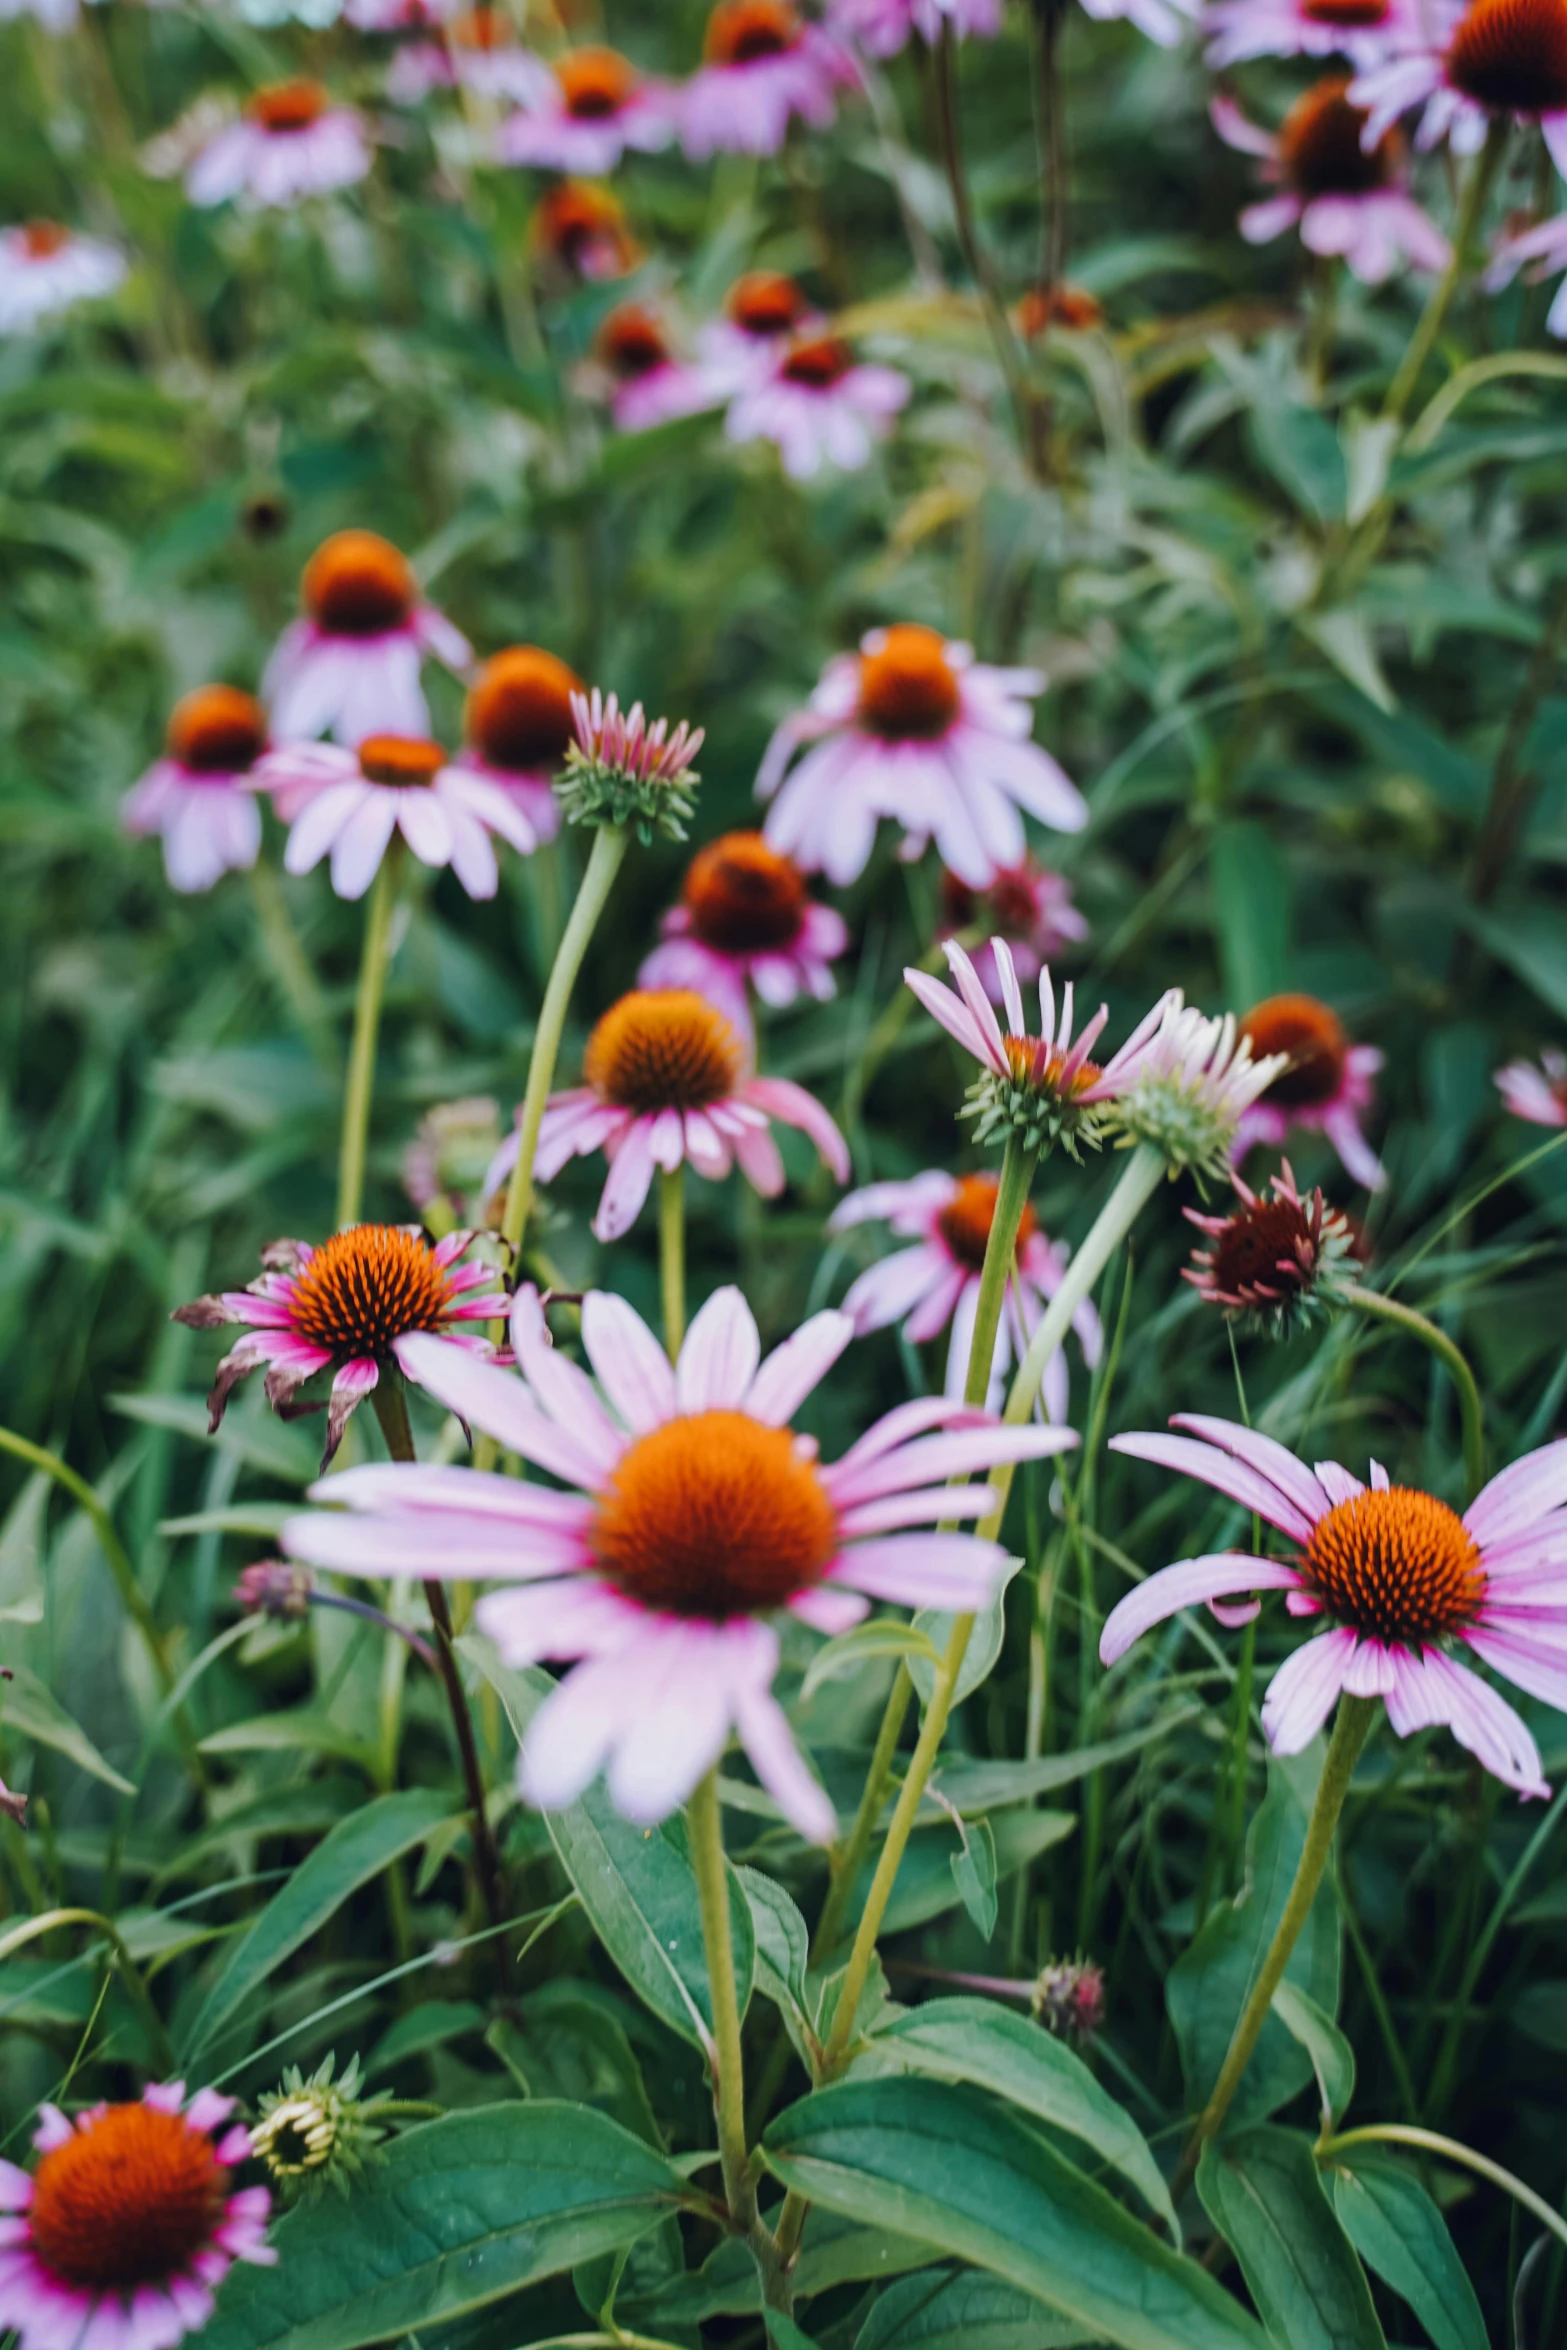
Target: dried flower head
x: 1275, y: 1261
x: 621, y: 770
x: 275, y: 1588
x: 1069, y: 2000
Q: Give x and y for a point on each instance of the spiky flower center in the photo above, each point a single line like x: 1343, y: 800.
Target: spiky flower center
x: 1040, y: 1065
x: 127, y: 2200
x: 358, y: 584
x: 1268, y: 1245
x: 1511, y: 55
x: 966, y: 1219
x: 367, y: 1286
x: 519, y: 712
x: 1319, y: 144
x: 1313, y: 1037
x: 715, y: 1515
x: 402, y: 760
x: 663, y: 1049
x: 631, y: 342
x: 1399, y: 1566
x: 594, y: 83
x: 1349, y: 15
x: 743, y: 897
x: 818, y: 362
x: 908, y: 688
x: 285, y: 107
x: 42, y: 239
x: 217, y: 730
x: 741, y: 31
x: 764, y: 302
x: 585, y: 228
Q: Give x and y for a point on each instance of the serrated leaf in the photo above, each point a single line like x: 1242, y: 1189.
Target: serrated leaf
x: 1262, y: 2192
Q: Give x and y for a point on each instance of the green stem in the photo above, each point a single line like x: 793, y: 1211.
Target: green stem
x: 1351, y: 1725
x: 367, y: 1025
x: 990, y: 302
x: 672, y: 1254
x: 1378, y: 1308
x: 1450, y: 2149
x: 31, y: 1928
x: 1471, y: 205
x: 1480, y: 1950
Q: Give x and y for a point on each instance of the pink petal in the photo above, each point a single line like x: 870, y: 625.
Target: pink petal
x: 676, y: 1722
x: 414, y: 1486
x: 1520, y: 1495
x: 719, y: 1358
x: 631, y: 1366
x: 627, y: 1184
x: 557, y: 1619
x: 855, y: 1480
x: 781, y: 1768
x: 1188, y: 1583
x: 1224, y: 1472
x: 1431, y: 1689
x: 828, y: 1609
x: 793, y: 1369
x: 791, y: 1103
x: 429, y: 1545
x: 924, y: 1570
x: 497, y: 1402
x: 1302, y: 1692
x: 565, y: 1391
x: 1269, y: 1458
x: 935, y: 1503
x: 944, y: 1006
x: 1529, y: 1664
x: 569, y: 1738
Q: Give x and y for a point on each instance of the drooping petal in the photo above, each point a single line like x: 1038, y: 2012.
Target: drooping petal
x: 565, y: 1391
x: 923, y: 1570
x: 497, y: 1402
x: 796, y: 1367
x: 632, y: 1368
x: 1519, y: 1496
x: 780, y: 1766
x: 1188, y: 1583
x: 1223, y: 1471
x: 851, y: 1480
x: 1303, y: 1691
x: 1265, y: 1454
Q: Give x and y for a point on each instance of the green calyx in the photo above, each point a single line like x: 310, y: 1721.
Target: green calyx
x: 317, y: 2132
x: 592, y: 792
x: 1001, y: 1107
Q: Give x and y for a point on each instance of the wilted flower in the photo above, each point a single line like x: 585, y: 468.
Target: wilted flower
x: 1346, y: 197
x: 819, y: 405
x: 647, y: 383
x: 581, y: 232
x: 669, y: 1080
x: 692, y: 1515
x: 118, y: 2237
x: 349, y: 666
x: 1400, y: 1579
x: 1026, y: 905
x: 881, y: 27
x: 291, y: 142
x: 196, y: 797
x: 1194, y: 1082
x: 583, y: 118
x: 1069, y: 2000
x: 745, y: 920
x: 275, y: 1588
x: 1276, y: 1260
x: 517, y: 728
x: 1493, y: 61
x: 45, y: 268
x: 1324, y: 1083
x: 621, y: 770
x: 948, y: 1217
x: 1360, y: 30
x: 350, y: 1307
x: 914, y: 729
x: 318, y: 2132
x: 1538, y: 1094
x: 761, y: 64
x: 349, y: 804
x: 479, y: 51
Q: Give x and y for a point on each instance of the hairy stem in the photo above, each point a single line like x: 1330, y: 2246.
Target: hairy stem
x: 1378, y: 1308
x: 367, y: 1027
x: 672, y: 1255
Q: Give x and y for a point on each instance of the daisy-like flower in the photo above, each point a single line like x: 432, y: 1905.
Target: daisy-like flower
x: 397, y: 16
x: 1164, y: 21
x: 1542, y: 251
x: 1025, y: 904
x: 1325, y: 1083
x: 668, y: 1079
x: 349, y: 1307
x: 1275, y: 1260
x: 882, y: 27
x: 692, y: 1515
x: 196, y: 797
x: 745, y: 920
x: 1496, y: 60
x: 290, y: 143
x: 937, y: 1281
x: 1360, y: 30
x: 1538, y: 1094
x: 623, y: 770
x: 349, y: 803
x: 913, y: 728
x: 819, y: 405
x: 119, y: 2236
x: 45, y: 268
x: 763, y: 310
x: 595, y: 106
x: 1044, y: 1087
x: 580, y: 233
x: 762, y: 63
x: 517, y: 728
x: 647, y: 383
x: 1346, y: 198
x: 1401, y: 1580
x: 478, y: 52
x: 349, y: 666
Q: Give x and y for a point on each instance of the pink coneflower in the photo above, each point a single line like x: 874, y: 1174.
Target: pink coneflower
x: 1025, y: 904
x: 1401, y: 1579
x: 579, y: 233
x: 668, y: 1079
x: 819, y: 405
x: 349, y: 666
x: 692, y: 1515
x: 349, y: 804
x: 479, y: 52
x: 763, y: 311
x: 291, y: 142
x: 1278, y: 1258
x: 128, y: 2222
x: 1346, y: 198
x: 196, y: 797
x: 398, y: 16
x: 349, y: 1307
x: 1164, y: 21
x: 1542, y: 251
x: 936, y: 1282
x: 882, y: 27
x: 1360, y: 30
x: 1497, y: 60
x: 593, y: 107
x: 517, y: 727
x: 45, y: 268
x: 745, y: 920
x: 913, y: 728
x: 761, y: 64
x: 647, y: 383
x: 1325, y: 1089
x: 1538, y: 1094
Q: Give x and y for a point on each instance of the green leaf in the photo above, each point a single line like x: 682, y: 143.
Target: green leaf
x: 304, y: 1729
x: 972, y: 1785
x: 961, y: 2309
x: 1332, y: 2058
x: 32, y: 1711
x: 266, y: 1444
x: 984, y: 1646
x: 455, y: 2214
x: 976, y: 2182
x: 973, y: 1868
x: 1346, y: 638
x: 1015, y: 2058
x: 1300, y: 449
x: 883, y: 1636
x: 1210, y: 1982
x: 1251, y: 912
x: 1397, y: 2229
x: 783, y: 1944
x: 355, y: 1852
x: 639, y: 1890
x: 1262, y: 2192
x: 924, y: 1887
x: 1529, y: 940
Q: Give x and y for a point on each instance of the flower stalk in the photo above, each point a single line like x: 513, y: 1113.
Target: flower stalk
x: 1471, y: 205
x: 672, y: 1255
x: 1377, y: 1308
x: 367, y: 1028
